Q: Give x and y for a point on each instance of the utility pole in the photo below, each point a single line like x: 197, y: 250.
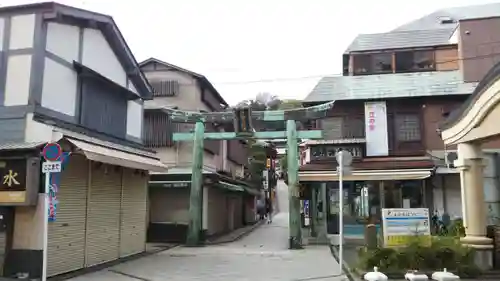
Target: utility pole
x: 242, y: 121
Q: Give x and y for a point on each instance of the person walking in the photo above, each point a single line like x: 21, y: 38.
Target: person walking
x: 261, y: 208
x: 269, y: 210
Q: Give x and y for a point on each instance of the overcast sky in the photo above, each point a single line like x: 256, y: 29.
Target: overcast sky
x: 246, y: 47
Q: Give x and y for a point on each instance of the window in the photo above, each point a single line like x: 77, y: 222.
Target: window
x: 407, y: 127
x: 165, y: 88
x: 332, y: 128
x: 382, y: 63
x: 158, y: 129
x: 415, y: 61
x: 335, y: 128
x: 373, y: 63
x: 103, y: 108
x: 362, y: 64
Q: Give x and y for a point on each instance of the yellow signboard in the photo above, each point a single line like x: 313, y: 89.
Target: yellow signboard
x: 12, y: 196
x: 403, y: 240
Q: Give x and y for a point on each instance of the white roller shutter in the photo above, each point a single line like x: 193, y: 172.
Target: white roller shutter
x: 103, y: 222
x: 133, y: 213
x: 66, y: 240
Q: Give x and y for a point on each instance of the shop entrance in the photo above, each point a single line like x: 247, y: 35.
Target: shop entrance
x: 364, y: 200
x: 6, y: 229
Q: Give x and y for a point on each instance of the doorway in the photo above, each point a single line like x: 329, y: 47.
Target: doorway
x: 6, y: 230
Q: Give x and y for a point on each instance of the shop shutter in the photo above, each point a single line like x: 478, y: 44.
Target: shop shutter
x: 238, y: 210
x: 66, y: 240
x: 103, y: 226
x: 133, y: 213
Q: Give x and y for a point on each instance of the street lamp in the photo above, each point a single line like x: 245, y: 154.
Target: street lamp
x: 344, y: 161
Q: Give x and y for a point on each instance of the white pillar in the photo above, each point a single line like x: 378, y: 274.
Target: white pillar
x: 471, y: 165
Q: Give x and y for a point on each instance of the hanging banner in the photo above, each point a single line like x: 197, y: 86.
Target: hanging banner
x: 55, y: 181
x: 377, y: 141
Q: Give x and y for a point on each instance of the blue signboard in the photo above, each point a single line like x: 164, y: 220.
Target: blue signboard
x: 54, y: 183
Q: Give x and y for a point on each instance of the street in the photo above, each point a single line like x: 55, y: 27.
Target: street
x: 262, y: 255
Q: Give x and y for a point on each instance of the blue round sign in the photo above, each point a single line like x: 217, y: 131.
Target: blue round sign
x: 52, y: 152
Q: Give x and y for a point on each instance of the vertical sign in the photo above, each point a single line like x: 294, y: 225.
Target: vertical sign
x: 377, y: 142
x: 54, y: 183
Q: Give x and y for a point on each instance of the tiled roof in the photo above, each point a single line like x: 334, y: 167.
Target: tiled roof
x: 385, y: 86
x: 21, y: 145
x: 431, y: 21
x: 401, y: 39
x: 423, y: 32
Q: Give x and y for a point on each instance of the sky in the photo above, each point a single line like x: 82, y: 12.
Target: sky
x: 246, y: 47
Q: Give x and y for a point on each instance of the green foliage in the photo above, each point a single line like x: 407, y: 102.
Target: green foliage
x: 258, y: 160
x: 457, y: 228
x: 443, y: 252
x: 266, y: 101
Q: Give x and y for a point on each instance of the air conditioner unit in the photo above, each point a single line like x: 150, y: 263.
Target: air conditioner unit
x: 449, y: 158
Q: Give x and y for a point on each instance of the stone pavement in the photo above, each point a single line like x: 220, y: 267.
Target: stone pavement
x: 262, y: 256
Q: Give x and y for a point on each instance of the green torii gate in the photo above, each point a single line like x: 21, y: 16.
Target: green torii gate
x: 291, y: 133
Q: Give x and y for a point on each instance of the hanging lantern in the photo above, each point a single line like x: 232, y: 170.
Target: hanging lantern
x: 375, y: 275
x: 444, y: 276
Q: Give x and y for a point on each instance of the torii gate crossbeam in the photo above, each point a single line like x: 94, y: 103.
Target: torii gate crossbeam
x: 291, y: 133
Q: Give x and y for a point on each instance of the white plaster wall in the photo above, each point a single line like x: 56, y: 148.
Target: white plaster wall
x: 57, y: 34
x: 36, y: 131
x: 98, y: 55
x: 59, y: 90
x: 22, y: 32
x: 19, y: 66
x: 18, y: 80
x: 2, y: 24
x: 134, y: 119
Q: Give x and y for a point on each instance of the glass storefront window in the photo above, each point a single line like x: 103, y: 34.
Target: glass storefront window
x: 364, y: 200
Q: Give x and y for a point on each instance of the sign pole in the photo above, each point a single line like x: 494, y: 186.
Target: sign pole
x: 341, y: 210
x: 46, y: 226
x: 344, y: 160
x: 52, y: 154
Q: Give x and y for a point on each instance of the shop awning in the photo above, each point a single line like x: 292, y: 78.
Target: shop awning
x: 230, y: 186
x: 252, y: 191
x: 170, y: 184
x: 366, y: 175
x: 120, y: 158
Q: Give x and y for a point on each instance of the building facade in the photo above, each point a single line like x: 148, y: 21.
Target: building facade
x: 228, y: 201
x: 68, y: 76
x: 396, y: 88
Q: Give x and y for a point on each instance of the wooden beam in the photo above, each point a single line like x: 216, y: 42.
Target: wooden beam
x: 311, y: 134
x: 300, y: 114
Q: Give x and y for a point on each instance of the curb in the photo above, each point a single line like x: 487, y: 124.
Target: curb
x: 238, y: 237
x: 349, y: 272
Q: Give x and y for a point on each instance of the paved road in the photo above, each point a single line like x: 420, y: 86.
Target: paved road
x: 262, y: 256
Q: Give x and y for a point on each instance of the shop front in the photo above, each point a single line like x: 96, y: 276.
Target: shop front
x: 19, y: 177
x: 227, y: 204
x: 365, y: 194
x: 364, y: 200
x: 99, y: 204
